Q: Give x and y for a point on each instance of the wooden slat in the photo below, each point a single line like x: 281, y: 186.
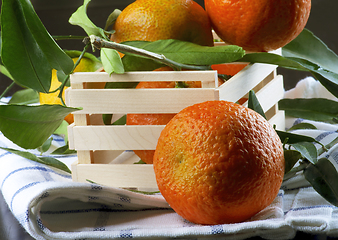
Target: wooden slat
x: 278, y: 120
x: 271, y: 93
x: 139, y: 176
x: 240, y: 84
x: 71, y: 136
x: 148, y: 76
x: 137, y: 100
x: 115, y: 137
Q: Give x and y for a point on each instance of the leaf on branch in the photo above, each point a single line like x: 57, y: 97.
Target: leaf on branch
x: 291, y: 158
x: 28, y: 51
x: 302, y: 126
x: 308, y: 46
x: 62, y: 130
x: 112, y: 19
x: 292, y: 138
x: 181, y: 52
x: 30, y: 126
x: 44, y: 160
x: 308, y: 150
x: 80, y: 18
x: 323, y: 177
x: 111, y: 61
x: 25, y: 96
x: 45, y: 146
x: 64, y: 150
x: 305, y: 53
x: 254, y: 104
x: 317, y: 109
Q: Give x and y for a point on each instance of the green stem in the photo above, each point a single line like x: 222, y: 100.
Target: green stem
x: 327, y: 146
x: 67, y: 37
x: 7, y: 89
x: 65, y: 81
x: 302, y: 165
x: 99, y: 43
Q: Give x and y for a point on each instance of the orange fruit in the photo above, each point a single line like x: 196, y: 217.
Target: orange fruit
x: 260, y: 25
x: 229, y: 68
x: 151, y: 20
x: 154, y: 119
x: 218, y: 162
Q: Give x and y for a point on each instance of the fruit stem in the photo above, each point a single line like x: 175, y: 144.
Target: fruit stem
x: 99, y: 43
x: 302, y: 165
x: 67, y: 37
x: 66, y: 79
x: 7, y: 89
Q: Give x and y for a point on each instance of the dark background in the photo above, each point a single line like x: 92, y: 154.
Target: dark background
x: 55, y: 14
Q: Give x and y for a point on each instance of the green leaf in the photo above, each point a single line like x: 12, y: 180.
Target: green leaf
x: 96, y: 62
x: 64, y: 150
x: 292, y: 138
x: 291, y: 158
x: 30, y: 126
x: 44, y: 160
x: 181, y: 52
x: 121, y: 121
x: 271, y: 58
x: 307, y: 149
x: 5, y: 72
x: 80, y: 18
x: 254, y: 104
x: 28, y: 51
x: 302, y: 126
x: 310, y: 47
x: 323, y: 177
x: 305, y: 53
x: 143, y: 192
x: 62, y: 130
x: 111, y: 61
x: 46, y: 145
x: 317, y: 109
x: 106, y: 118
x: 112, y: 18
x: 25, y: 96
x: 328, y: 79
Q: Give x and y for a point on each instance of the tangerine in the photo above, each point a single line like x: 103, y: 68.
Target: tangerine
x: 259, y: 26
x: 151, y: 20
x: 218, y: 162
x: 154, y: 119
x: 229, y: 68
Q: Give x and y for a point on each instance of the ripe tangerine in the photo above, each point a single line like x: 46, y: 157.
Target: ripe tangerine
x: 260, y: 25
x: 218, y: 162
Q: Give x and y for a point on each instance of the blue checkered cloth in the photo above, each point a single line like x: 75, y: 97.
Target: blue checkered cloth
x: 49, y: 205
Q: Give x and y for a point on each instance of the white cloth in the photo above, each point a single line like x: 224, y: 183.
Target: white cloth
x: 50, y: 206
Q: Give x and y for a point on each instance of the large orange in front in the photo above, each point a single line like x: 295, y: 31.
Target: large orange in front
x: 258, y: 25
x: 218, y: 162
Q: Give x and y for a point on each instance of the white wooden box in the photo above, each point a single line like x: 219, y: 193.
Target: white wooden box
x: 101, y: 147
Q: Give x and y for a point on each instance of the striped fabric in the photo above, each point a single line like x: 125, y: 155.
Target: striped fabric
x: 50, y: 206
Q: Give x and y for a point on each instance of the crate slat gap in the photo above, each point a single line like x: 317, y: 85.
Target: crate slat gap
x: 99, y: 145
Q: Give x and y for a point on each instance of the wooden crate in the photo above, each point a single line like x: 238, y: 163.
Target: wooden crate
x: 103, y: 155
